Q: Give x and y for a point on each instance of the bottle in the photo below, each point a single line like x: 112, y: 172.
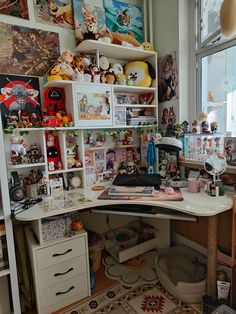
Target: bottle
x: 213, y: 189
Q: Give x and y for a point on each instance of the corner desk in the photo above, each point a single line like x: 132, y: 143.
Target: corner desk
x: 193, y: 204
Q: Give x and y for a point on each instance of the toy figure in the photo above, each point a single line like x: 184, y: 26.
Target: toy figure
x: 111, y: 157
x: 122, y: 168
x: 204, y: 123
x: 214, y: 126
x: 131, y: 167
x: 72, y: 161
x: 128, y: 139
x: 18, y: 148
x: 90, y: 25
x: 34, y: 154
x: 151, y: 156
x: 54, y: 100
x: 53, y: 151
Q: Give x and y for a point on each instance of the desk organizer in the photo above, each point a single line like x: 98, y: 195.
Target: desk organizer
x: 182, y: 272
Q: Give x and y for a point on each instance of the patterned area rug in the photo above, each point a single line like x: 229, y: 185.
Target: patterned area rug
x: 140, y: 269
x: 145, y: 298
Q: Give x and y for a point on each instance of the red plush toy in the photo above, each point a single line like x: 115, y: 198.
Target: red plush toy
x: 53, y: 151
x: 54, y: 100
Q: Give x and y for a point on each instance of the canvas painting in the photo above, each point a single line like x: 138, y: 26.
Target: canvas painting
x: 54, y: 12
x: 19, y: 97
x: 17, y: 8
x: 27, y: 51
x: 168, y: 77
x: 89, y: 20
x: 124, y: 17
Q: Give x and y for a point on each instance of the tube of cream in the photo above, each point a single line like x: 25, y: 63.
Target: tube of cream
x: 223, y: 290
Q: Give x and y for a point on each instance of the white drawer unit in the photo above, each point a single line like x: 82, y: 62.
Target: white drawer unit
x: 60, y: 271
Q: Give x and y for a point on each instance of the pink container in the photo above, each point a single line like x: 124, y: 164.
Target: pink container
x: 193, y: 185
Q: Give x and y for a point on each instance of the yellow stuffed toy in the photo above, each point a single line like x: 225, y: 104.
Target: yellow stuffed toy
x: 141, y: 73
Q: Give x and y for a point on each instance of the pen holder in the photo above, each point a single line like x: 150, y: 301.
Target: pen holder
x: 31, y: 190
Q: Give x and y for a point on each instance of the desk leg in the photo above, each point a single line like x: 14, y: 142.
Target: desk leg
x: 212, y: 256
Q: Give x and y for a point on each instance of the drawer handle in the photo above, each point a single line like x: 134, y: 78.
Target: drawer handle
x: 66, y: 272
x: 64, y: 292
x: 59, y: 254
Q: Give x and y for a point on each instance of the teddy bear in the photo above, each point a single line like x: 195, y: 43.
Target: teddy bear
x: 18, y: 148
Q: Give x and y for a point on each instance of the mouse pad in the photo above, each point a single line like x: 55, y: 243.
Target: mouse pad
x: 159, y: 195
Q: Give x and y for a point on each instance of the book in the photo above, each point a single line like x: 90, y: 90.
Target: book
x: 131, y: 190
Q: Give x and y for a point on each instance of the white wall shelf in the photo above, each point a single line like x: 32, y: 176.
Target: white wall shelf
x: 22, y: 166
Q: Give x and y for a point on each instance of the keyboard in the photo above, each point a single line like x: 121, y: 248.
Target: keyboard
x: 132, y: 190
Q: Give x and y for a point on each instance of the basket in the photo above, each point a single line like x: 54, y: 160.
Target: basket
x: 126, y: 238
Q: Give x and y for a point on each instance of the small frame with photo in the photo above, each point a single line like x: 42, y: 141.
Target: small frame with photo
x: 230, y: 150
x: 93, y: 105
x: 129, y: 99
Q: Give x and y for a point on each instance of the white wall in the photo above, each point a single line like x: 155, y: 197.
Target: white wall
x: 171, y: 33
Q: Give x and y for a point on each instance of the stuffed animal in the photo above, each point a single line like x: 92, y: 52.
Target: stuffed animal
x: 53, y: 151
x: 228, y: 18
x: 72, y: 161
x: 140, y: 72
x: 120, y: 39
x: 147, y: 46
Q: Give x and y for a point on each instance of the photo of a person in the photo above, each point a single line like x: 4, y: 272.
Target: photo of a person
x: 168, y: 75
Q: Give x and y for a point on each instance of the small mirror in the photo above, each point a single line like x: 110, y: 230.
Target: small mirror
x: 215, y: 165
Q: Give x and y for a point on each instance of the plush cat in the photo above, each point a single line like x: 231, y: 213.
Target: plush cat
x: 71, y: 157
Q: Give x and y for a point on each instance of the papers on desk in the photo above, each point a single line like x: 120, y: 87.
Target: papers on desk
x: 131, y: 190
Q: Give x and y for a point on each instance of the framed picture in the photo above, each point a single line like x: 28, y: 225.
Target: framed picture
x: 54, y: 12
x: 89, y: 20
x: 19, y: 98
x: 230, y: 150
x: 123, y: 17
x: 93, y: 108
x: 17, y: 8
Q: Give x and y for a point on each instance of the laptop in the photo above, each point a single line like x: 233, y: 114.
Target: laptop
x: 138, y: 180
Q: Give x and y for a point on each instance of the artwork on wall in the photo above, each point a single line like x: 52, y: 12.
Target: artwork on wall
x: 18, y: 8
x: 54, y: 12
x: 19, y: 98
x: 124, y: 17
x: 89, y: 20
x: 27, y: 51
x: 168, y: 77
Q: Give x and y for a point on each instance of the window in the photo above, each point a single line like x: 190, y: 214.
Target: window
x: 216, y: 58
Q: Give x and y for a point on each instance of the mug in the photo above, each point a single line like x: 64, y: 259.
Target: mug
x: 193, y: 185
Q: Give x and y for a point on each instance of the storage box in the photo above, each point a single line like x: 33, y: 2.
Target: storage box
x: 199, y: 147
x: 53, y: 229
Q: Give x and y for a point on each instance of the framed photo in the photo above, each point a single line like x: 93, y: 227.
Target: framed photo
x: 93, y: 105
x: 17, y: 8
x: 230, y: 150
x: 120, y: 116
x: 19, y: 97
x: 123, y: 17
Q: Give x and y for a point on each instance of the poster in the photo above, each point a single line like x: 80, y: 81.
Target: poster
x: 89, y: 20
x: 19, y: 98
x: 18, y: 8
x: 124, y: 17
x: 168, y: 77
x: 27, y: 51
x: 54, y: 12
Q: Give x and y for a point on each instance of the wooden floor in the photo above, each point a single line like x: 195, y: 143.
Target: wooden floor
x: 101, y: 282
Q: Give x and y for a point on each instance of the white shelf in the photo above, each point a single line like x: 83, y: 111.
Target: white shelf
x: 133, y: 89
x: 4, y: 272
x: 136, y: 106
x: 114, y: 51
x: 22, y: 166
x: 45, y: 129
x: 65, y: 170
x: 216, y: 104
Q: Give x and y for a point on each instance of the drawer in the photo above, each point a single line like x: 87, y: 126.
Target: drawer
x: 61, y: 272
x: 60, y: 252
x: 63, y: 291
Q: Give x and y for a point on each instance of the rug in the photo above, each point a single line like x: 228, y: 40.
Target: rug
x: 141, y: 299
x: 140, y: 269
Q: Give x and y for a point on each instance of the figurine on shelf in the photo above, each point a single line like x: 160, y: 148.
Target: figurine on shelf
x: 131, y: 167
x: 214, y: 126
x: 64, y: 119
x: 18, y: 149
x: 53, y: 151
x: 122, y: 167
x: 195, y: 127
x: 54, y: 100
x: 34, y: 154
x: 204, y: 123
x: 128, y: 139
x: 71, y: 156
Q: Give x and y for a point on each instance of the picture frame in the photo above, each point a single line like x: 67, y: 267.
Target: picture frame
x: 230, y: 150
x: 93, y: 105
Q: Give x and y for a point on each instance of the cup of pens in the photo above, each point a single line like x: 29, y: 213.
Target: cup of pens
x: 30, y: 184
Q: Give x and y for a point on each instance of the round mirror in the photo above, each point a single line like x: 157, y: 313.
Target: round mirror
x: 215, y: 165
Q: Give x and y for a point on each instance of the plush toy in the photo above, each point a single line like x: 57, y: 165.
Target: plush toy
x: 72, y: 161
x: 117, y: 69
x: 147, y: 46
x: 140, y: 72
x: 53, y: 151
x: 120, y: 39
x: 228, y: 18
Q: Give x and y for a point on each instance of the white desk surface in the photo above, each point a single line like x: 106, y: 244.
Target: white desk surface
x: 196, y: 204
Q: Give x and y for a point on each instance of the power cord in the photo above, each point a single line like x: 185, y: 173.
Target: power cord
x: 26, y: 204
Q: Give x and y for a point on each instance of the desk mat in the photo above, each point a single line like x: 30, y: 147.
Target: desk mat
x: 159, y: 195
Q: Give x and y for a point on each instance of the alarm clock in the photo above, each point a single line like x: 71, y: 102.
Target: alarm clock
x: 75, y: 182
